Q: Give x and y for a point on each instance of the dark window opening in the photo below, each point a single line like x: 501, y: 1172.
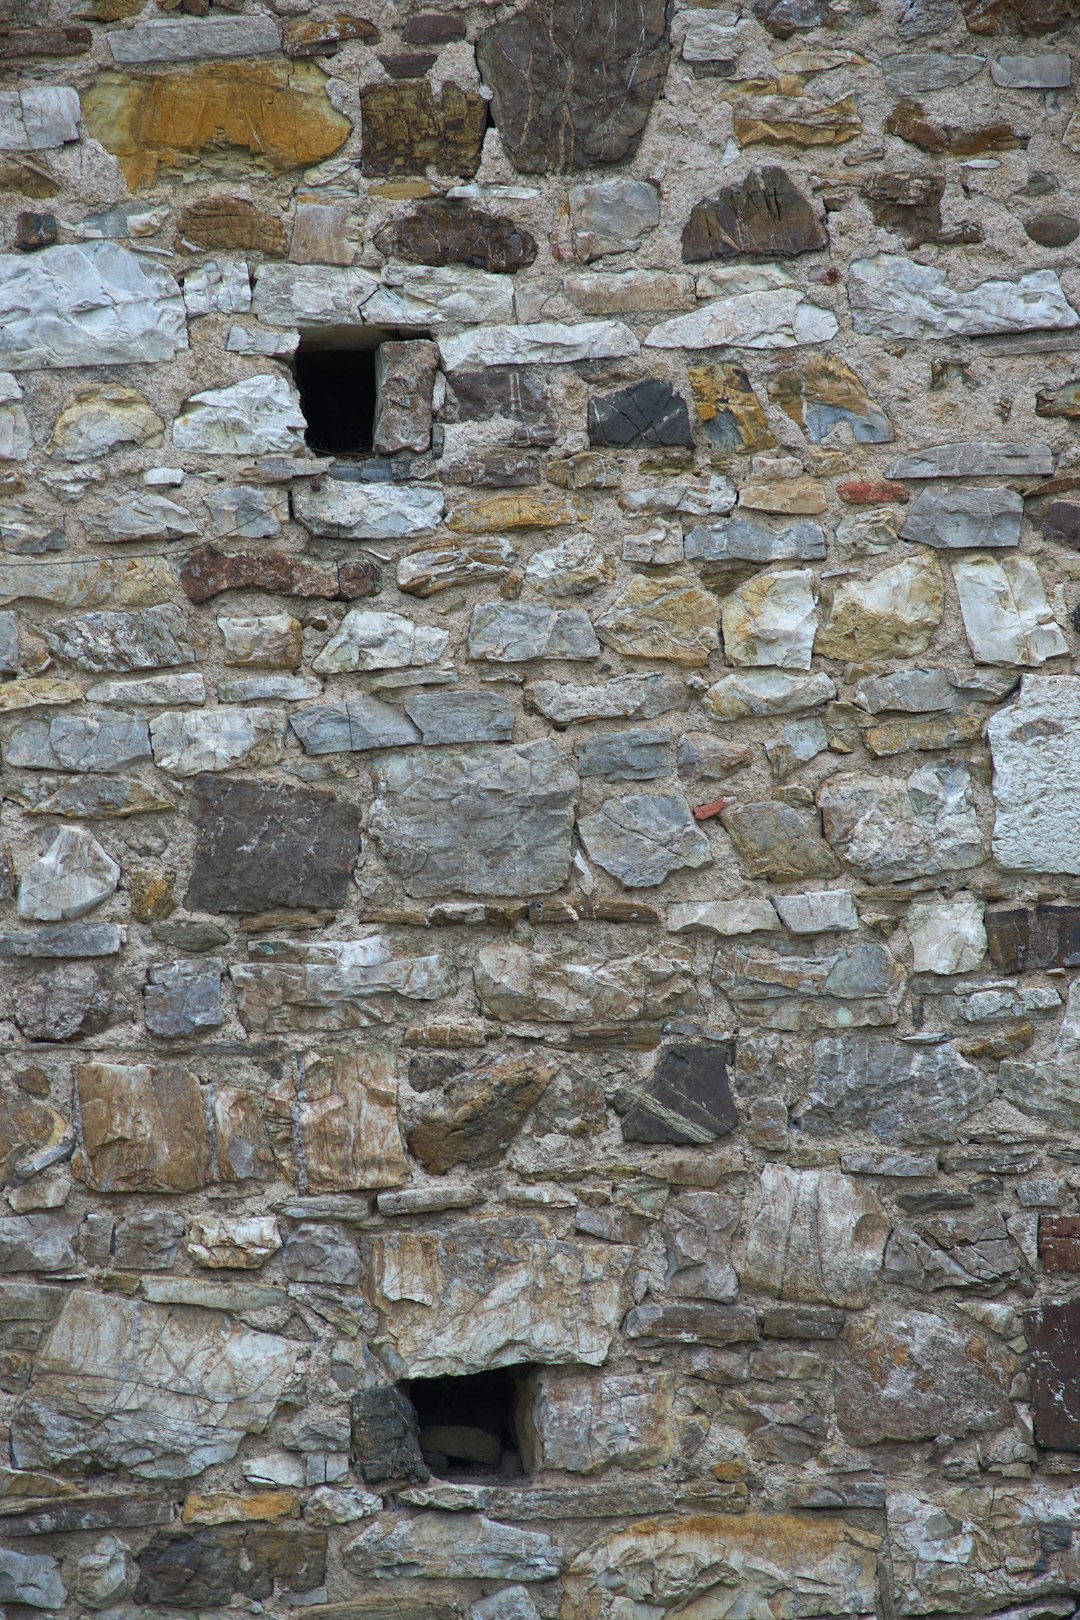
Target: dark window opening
x: 338, y: 397
x: 469, y: 1425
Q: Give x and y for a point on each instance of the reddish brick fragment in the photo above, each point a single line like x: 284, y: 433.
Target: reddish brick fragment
x: 207, y: 571
x: 1059, y: 1242
x: 871, y: 492
x: 703, y: 812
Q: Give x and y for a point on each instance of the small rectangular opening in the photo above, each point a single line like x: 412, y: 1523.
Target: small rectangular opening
x: 338, y: 396
x: 468, y: 1426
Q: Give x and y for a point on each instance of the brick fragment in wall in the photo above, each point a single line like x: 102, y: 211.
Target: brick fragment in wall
x: 397, y: 1205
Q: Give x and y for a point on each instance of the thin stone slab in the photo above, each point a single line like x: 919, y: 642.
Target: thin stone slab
x: 891, y: 296
x: 191, y: 39
x: 922, y: 691
x: 779, y: 319
x: 962, y: 519
x: 61, y: 942
x: 920, y: 73
x: 149, y: 638
x: 627, y: 697
x: 544, y: 343
x: 341, y: 984
x: 746, y: 539
x: 96, y: 740
x: 354, y: 726
x: 975, y: 458
x: 88, y: 304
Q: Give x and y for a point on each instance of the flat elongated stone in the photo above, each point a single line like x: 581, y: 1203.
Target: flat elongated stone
x: 975, y: 458
x: 515, y: 632
x: 1007, y: 619
x: 766, y: 214
x: 427, y: 570
x: 921, y: 691
x: 347, y: 511
x: 207, y: 571
x: 793, y: 121
x: 497, y: 821
x: 1034, y: 776
x: 901, y: 1093
x: 823, y: 911
x: 917, y: 73
x: 452, y: 1546
x: 514, y: 983
x: 336, y: 985
x: 189, y: 39
x: 1047, y: 72
x: 752, y: 540
x: 627, y: 697
x: 152, y: 638
x: 263, y: 844
x: 545, y: 343
x: 460, y: 717
x: 185, y: 743
x: 354, y: 726
x: 889, y: 828
x: 891, y: 296
x: 88, y: 304
x: 641, y: 838
x: 779, y: 319
x: 635, y: 755
x: 163, y: 1393
x: 856, y: 985
x: 61, y: 941
x: 959, y: 519
x: 767, y: 692
x: 308, y: 295
x: 447, y: 232
x: 817, y: 1237
x: 572, y: 83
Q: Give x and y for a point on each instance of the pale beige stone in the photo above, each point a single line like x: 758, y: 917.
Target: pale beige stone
x: 893, y: 614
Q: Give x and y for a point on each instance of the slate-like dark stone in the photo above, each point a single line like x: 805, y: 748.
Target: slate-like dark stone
x: 404, y: 129
x: 408, y: 64
x: 478, y: 1114
x: 207, y: 571
x: 455, y: 233
x: 688, y: 1100
x: 385, y: 1437
x: 262, y: 844
x: 803, y: 1322
x: 60, y: 41
x: 1023, y: 940
x: 910, y: 205
x: 203, y: 1567
x: 33, y: 231
x: 1061, y: 521
x: 766, y: 215
x: 1053, y: 1332
x: 507, y: 392
x: 573, y: 81
x: 650, y: 413
x: 786, y: 17
x: 691, y: 1321
x: 433, y: 28
x: 1053, y: 230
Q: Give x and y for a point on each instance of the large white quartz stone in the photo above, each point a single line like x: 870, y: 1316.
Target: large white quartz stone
x: 87, y: 304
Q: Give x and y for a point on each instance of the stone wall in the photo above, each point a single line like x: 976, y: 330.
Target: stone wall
x: 538, y: 868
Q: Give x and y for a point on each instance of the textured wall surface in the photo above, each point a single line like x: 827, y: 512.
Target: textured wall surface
x: 572, y: 894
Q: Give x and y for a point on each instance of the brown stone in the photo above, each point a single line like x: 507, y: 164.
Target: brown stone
x: 224, y: 221
x: 1053, y: 1333
x: 478, y: 1114
x: 20, y: 42
x: 766, y: 215
x: 1033, y: 16
x: 573, y: 81
x: 455, y: 233
x: 1053, y: 230
x: 240, y: 1507
x: 729, y: 409
x: 1063, y: 401
x: 823, y: 390
x: 775, y: 842
x: 912, y: 124
x: 408, y: 64
x: 277, y: 112
x: 433, y: 28
x: 343, y: 1112
x: 32, y: 1135
x: 1059, y: 1242
x: 33, y: 231
x: 404, y: 130
x: 143, y: 1128
x: 30, y: 179
x: 323, y: 36
x: 789, y: 121
x: 686, y: 1101
x: 208, y: 571
x: 1024, y: 940
x: 910, y: 205
x: 510, y: 393
x: 871, y: 492
x: 153, y: 895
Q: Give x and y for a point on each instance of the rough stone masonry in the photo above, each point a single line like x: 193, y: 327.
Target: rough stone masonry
x: 540, y: 809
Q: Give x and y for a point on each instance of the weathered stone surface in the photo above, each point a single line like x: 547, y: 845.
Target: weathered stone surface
x: 495, y: 822
x: 893, y: 614
x: 356, y: 725
x: 206, y: 1566
x: 514, y: 983
x: 671, y: 618
x: 73, y: 876
x: 515, y: 632
x: 263, y: 844
x: 793, y: 121
x: 99, y: 418
x: 910, y: 205
x: 687, y: 1099
x: 649, y: 413
x: 638, y: 754
x: 583, y: 1424
x: 917, y: 73
x: 958, y: 519
x: 143, y: 1128
x: 461, y: 1546
x: 345, y: 511
x: 910, y: 122
x: 824, y: 392
x: 573, y: 85
x: 979, y: 458
x: 93, y: 303
x: 183, y: 997
x: 728, y: 408
x: 338, y: 984
x: 575, y: 567
x: 104, y: 1574
x: 739, y: 540
x: 477, y: 1113
x: 404, y: 129
x: 438, y: 296
x: 233, y: 1242
x: 216, y: 739
x: 758, y: 1563
x: 531, y: 1297
x: 771, y: 619
x: 150, y: 638
x: 891, y: 296
x: 163, y: 1393
x: 208, y: 571
x: 385, y: 1438
x: 908, y: 1375
x: 921, y: 691
x: 36, y: 1243
x: 774, y: 841
x: 1046, y: 72
x: 891, y: 828
x: 267, y: 640
x: 225, y: 221
x: 459, y: 717
x: 901, y: 1093
x: 823, y: 911
x: 321, y: 1252
x: 816, y: 1236
x: 641, y: 838
x: 777, y: 319
x: 1033, y: 776
x: 1007, y: 619
x: 766, y: 214
x: 404, y: 379
x: 62, y: 1004
x: 544, y: 343
x: 856, y: 986
x: 627, y: 697
x: 277, y: 112
x: 447, y: 232
x: 62, y: 941
x: 611, y: 216
x: 258, y: 416
x: 367, y: 640
x: 345, y: 1118
x: 32, y: 1579
x: 38, y: 118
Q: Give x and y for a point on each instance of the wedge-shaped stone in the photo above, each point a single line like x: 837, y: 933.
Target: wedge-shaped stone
x: 163, y: 1393
x: 908, y: 1375
x: 641, y: 838
x: 771, y: 620
x: 671, y: 618
x: 514, y: 632
x: 260, y: 845
x: 545, y: 343
x: 474, y: 1116
x: 514, y: 983
x: 344, y: 1113
x: 768, y: 691
x: 893, y: 614
x: 891, y: 828
x: 766, y: 214
x: 496, y: 821
x: 87, y: 304
x: 1007, y: 619
x: 898, y: 1091
x: 72, y: 877
x: 816, y: 1236
x: 824, y: 392
x: 947, y: 936
x: 368, y: 640
x: 752, y: 1565
x: 728, y: 408
x: 451, y: 1546
x: 338, y: 510
x: 891, y: 296
x: 958, y: 519
x: 492, y: 1293
x: 338, y: 984
x: 1037, y: 776
x: 921, y: 691
x: 975, y: 458
x: 258, y: 416
x: 143, y: 1129
x: 185, y: 743
x: 779, y: 319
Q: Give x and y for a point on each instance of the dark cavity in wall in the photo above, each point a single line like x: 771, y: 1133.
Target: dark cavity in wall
x: 469, y: 1425
x: 338, y: 396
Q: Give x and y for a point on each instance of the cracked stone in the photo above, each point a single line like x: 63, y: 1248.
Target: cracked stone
x: 641, y: 838
x: 891, y: 828
x: 1007, y: 619
x: 70, y: 879
x: 764, y: 215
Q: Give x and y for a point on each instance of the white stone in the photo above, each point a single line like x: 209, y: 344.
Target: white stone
x: 1049, y: 72
x: 767, y: 691
x: 255, y: 417
x: 714, y: 497
x: 823, y: 911
x: 729, y: 280
x: 748, y: 915
x: 73, y: 876
x: 1035, y: 743
x: 92, y: 304
x: 101, y: 417
x: 576, y: 566
x: 817, y: 1236
x: 261, y: 340
x: 947, y: 936
x: 761, y: 320
x: 892, y: 296
x: 15, y: 438
x: 302, y: 295
x: 544, y: 343
x: 1007, y: 618
x: 439, y: 295
x: 150, y: 691
x: 190, y: 39
x: 141, y: 517
x: 771, y: 620
x: 710, y: 35
x: 39, y: 118
x: 218, y: 289
x: 232, y: 1242
x: 215, y: 739
x: 367, y: 640
x: 338, y: 510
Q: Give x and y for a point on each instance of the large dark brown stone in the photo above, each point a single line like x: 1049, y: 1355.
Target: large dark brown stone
x: 208, y: 571
x: 688, y: 1099
x: 1059, y: 1242
x: 649, y: 414
x: 910, y: 205
x: 478, y: 1114
x: 909, y: 121
x: 262, y: 844
x: 385, y: 1437
x: 454, y: 233
x: 1053, y: 1333
x: 404, y: 129
x: 224, y: 221
x: 202, y: 1567
x: 573, y: 81
x: 767, y: 214
x: 1022, y: 940
x: 508, y: 392
x: 1061, y: 519
x: 433, y: 28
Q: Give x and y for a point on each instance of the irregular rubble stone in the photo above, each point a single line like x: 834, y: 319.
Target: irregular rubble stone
x: 447, y: 232
x: 149, y: 638
x: 641, y: 838
x: 893, y: 614
x: 686, y: 1101
x: 32, y: 1579
x: 817, y: 1237
x: 182, y: 997
x: 963, y: 518
x: 583, y: 1425
x: 825, y: 391
x: 404, y: 129
x: 901, y: 1093
x: 385, y: 1437
x: 143, y: 1128
x: 947, y: 936
x: 319, y: 1252
x: 404, y: 380
x: 263, y: 844
x: 455, y: 717
x: 855, y: 986
x: 101, y: 417
x: 627, y: 697
x: 514, y: 983
x: 1007, y: 619
x: 194, y: 38
x: 338, y: 984
x: 774, y: 841
x: 233, y: 1242
x: 545, y: 342
x: 256, y: 417
x: 978, y: 459
x: 671, y: 618
x: 186, y: 744
x: 893, y: 297
x: 611, y: 216
x: 920, y: 691
x: 908, y: 1375
x: 778, y: 319
x: 63, y: 1004
x: 93, y: 303
x: 225, y: 221
x: 343, y: 1108
x: 825, y: 911
x: 728, y: 408
x: 917, y: 72
x: 649, y: 413
x: 367, y: 640
x: 771, y: 619
x: 910, y: 122
x: 516, y: 632
x: 478, y: 1113
x: 357, y: 724
x: 767, y: 214
x: 1033, y: 774
x: 888, y: 828
x: 345, y: 511
x: 791, y: 121
x: 452, y: 1546
x: 638, y: 754
x: 73, y: 876
x: 271, y: 640
x: 575, y: 567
